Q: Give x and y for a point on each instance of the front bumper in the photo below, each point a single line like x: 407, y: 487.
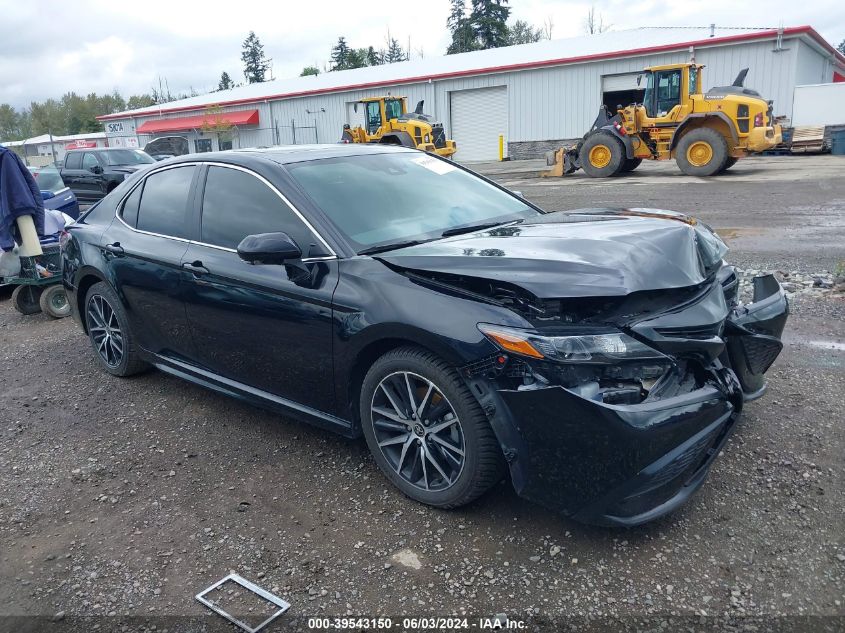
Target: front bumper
x: 627, y: 464
x: 762, y: 138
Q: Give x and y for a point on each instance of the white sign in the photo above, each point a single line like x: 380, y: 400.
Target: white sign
x: 131, y: 141
x: 114, y: 128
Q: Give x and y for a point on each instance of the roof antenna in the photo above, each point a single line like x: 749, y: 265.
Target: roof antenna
x: 713, y: 30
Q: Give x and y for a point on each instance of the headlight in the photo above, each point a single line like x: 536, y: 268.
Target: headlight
x: 600, y: 348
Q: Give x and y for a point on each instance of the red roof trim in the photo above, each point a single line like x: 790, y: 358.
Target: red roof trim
x: 241, y: 117
x: 742, y: 37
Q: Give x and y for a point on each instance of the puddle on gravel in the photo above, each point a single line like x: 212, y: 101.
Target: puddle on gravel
x: 831, y: 345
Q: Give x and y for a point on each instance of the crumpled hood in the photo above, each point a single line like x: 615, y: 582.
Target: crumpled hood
x: 581, y: 253
x: 128, y: 169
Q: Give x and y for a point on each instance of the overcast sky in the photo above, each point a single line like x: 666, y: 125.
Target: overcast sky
x: 49, y: 48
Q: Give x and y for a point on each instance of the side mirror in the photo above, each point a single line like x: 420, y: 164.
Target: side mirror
x: 46, y: 195
x: 517, y: 193
x: 639, y: 79
x: 96, y: 169
x: 268, y: 248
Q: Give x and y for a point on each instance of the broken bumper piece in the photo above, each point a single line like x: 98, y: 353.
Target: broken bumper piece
x: 606, y: 459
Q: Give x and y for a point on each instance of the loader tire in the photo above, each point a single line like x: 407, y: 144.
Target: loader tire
x: 601, y: 155
x: 728, y: 164
x: 630, y: 164
x: 702, y: 152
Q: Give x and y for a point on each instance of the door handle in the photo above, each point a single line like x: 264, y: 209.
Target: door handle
x: 114, y: 249
x: 195, y: 267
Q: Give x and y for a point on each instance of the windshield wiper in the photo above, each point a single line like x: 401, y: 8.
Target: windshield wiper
x: 459, y: 230
x: 391, y: 247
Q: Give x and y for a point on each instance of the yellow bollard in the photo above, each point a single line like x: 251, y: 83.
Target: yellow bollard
x: 501, y: 147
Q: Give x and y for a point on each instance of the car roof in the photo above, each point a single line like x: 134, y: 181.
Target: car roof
x: 284, y: 154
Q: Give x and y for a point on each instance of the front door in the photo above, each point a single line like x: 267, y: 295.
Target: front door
x: 144, y: 248
x: 267, y: 326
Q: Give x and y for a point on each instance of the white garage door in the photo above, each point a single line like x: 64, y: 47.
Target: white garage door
x: 618, y: 83
x: 478, y: 117
x: 354, y: 118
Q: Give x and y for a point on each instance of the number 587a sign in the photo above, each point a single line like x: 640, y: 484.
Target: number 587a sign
x: 115, y: 128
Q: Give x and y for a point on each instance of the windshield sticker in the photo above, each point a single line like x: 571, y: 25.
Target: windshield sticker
x: 439, y: 167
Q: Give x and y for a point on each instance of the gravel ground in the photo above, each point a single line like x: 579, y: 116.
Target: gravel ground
x: 125, y: 498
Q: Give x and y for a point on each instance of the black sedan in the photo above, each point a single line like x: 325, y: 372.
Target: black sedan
x: 600, y: 357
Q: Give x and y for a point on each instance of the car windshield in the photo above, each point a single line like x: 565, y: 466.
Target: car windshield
x: 392, y: 198
x: 47, y: 178
x: 128, y: 157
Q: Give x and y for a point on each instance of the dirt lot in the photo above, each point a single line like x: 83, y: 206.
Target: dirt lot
x: 127, y: 497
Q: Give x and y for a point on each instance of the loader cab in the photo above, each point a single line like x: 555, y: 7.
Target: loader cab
x: 668, y: 90
x: 379, y: 110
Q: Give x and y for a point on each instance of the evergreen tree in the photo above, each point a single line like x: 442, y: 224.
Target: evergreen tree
x: 520, y: 32
x: 340, y: 54
x: 226, y: 82
x: 309, y: 70
x: 489, y: 21
x: 841, y: 47
x: 395, y: 52
x: 374, y: 57
x: 357, y: 58
x: 252, y: 55
x: 463, y: 34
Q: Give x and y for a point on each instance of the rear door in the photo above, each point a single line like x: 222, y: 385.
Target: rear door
x: 144, y: 249
x: 91, y: 178
x: 266, y: 326
x: 72, y: 172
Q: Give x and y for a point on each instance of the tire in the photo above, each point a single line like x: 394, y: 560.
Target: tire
x: 702, y: 152
x: 25, y: 298
x: 630, y: 164
x: 602, y: 155
x: 104, y: 317
x: 54, y: 302
x: 728, y: 164
x: 401, y: 448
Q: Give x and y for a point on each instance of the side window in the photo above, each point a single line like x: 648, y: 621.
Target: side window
x: 129, y: 213
x: 164, y: 202
x: 89, y: 161
x: 73, y: 160
x: 237, y: 204
x: 373, y: 117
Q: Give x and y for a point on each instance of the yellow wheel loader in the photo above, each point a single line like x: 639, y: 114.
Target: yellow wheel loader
x: 705, y: 133
x: 388, y: 121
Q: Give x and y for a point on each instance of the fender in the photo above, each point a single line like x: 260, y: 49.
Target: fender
x: 701, y: 115
x: 626, y: 140
x: 404, y: 139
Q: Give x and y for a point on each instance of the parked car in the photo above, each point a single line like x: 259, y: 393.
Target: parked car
x: 167, y: 147
x: 600, y: 357
x: 56, y: 194
x: 92, y: 173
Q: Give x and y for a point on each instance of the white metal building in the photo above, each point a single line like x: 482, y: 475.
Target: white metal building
x: 44, y: 149
x: 536, y: 95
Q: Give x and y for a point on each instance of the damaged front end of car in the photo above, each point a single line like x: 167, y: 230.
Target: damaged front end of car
x: 612, y: 409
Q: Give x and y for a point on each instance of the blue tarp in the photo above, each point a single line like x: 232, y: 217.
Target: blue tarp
x: 19, y: 195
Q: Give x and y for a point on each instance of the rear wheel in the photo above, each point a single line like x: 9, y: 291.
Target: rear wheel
x: 630, y: 164
x: 25, y: 298
x: 702, y: 152
x: 109, y: 332
x: 601, y: 155
x: 426, y: 431
x: 54, y: 302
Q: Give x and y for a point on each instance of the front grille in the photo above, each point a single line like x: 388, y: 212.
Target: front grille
x: 760, y: 352
x: 438, y: 136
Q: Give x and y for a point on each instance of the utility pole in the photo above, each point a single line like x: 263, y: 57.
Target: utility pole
x: 52, y: 147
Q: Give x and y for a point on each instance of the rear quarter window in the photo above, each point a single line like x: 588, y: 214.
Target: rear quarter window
x: 73, y: 160
x: 164, y: 202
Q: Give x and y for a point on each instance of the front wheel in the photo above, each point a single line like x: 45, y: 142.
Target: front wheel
x: 426, y: 431
x: 602, y: 155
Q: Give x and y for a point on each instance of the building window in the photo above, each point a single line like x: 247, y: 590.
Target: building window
x: 202, y: 145
x: 224, y: 144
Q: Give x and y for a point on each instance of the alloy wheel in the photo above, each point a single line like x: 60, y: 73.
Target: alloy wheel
x: 105, y: 330
x: 418, y: 431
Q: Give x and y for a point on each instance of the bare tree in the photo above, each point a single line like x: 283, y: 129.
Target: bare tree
x: 548, y: 25
x: 594, y: 22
